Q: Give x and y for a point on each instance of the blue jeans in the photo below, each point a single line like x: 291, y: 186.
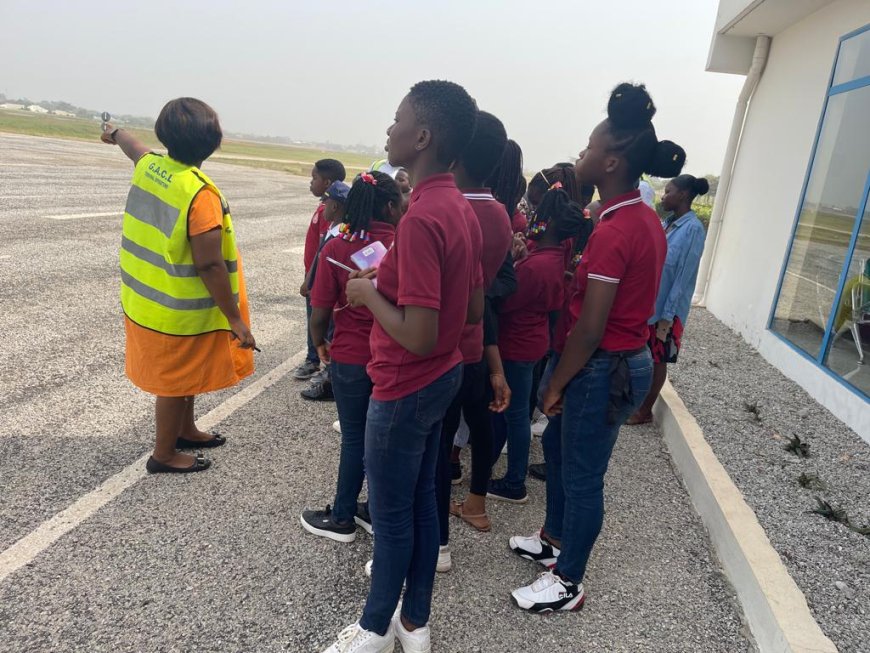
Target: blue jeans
x: 577, y: 450
x: 312, y: 355
x: 353, y: 388
x: 401, y: 453
x: 514, y: 425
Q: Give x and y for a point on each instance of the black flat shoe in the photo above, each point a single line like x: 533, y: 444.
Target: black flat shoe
x: 217, y: 440
x: 200, y: 464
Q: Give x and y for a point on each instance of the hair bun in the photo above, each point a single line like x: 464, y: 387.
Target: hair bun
x: 668, y: 160
x: 701, y: 186
x: 630, y: 106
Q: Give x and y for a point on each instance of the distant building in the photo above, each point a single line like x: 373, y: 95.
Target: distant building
x: 63, y: 114
x: 35, y: 108
x: 12, y: 106
x: 788, y: 252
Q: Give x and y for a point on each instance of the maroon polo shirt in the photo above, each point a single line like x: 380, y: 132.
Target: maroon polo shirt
x: 431, y: 265
x: 353, y: 324
x: 495, y: 231
x: 524, y: 319
x: 628, y: 248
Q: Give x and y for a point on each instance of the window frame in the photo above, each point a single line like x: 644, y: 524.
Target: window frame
x: 819, y: 361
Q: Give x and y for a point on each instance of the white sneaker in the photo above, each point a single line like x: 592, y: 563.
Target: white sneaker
x: 354, y: 639
x: 535, y: 549
x: 550, y: 593
x: 539, y: 425
x: 416, y: 641
x: 445, y: 562
x: 336, y: 426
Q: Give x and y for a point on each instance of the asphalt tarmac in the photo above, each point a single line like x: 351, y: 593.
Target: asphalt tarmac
x: 218, y: 561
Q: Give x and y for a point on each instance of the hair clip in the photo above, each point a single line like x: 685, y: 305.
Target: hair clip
x: 350, y: 236
x: 618, y: 95
x: 556, y: 185
x: 368, y: 179
x: 536, y: 228
x: 587, y: 214
x: 676, y: 156
x: 649, y: 104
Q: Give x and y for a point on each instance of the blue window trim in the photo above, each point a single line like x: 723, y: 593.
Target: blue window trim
x: 832, y: 90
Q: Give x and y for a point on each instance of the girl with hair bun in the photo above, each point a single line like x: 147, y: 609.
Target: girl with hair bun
x: 605, y: 369
x: 686, y: 235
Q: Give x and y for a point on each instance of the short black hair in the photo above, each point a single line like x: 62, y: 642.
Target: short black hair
x: 449, y: 112
x: 630, y: 111
x: 693, y: 185
x: 331, y: 169
x: 189, y: 129
x: 484, y: 151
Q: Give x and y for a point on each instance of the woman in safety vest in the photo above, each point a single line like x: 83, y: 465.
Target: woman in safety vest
x: 182, y: 289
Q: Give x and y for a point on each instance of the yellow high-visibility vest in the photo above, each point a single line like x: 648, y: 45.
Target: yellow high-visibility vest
x: 160, y: 287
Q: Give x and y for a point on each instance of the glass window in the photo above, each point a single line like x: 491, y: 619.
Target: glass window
x: 849, y: 350
x: 854, y: 59
x: 834, y: 192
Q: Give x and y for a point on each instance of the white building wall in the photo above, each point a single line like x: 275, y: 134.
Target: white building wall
x: 766, y: 186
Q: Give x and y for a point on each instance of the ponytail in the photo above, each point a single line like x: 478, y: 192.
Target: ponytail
x: 368, y: 201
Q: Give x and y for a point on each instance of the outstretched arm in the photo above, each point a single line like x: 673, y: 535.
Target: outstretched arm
x: 129, y: 144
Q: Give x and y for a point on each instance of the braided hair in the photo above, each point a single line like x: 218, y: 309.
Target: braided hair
x: 562, y: 173
x: 507, y: 182
x: 368, y: 200
x: 630, y: 111
x: 558, y: 211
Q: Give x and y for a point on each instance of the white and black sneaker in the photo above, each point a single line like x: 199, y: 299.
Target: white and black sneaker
x: 363, y: 517
x: 322, y: 523
x: 550, y: 593
x: 354, y: 639
x: 536, y: 549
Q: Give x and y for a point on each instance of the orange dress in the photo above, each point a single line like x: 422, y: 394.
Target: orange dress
x: 180, y: 366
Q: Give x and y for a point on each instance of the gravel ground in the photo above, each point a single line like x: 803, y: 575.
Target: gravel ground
x: 719, y: 376
x: 218, y: 561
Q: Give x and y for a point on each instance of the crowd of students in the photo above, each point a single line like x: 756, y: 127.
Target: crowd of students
x: 495, y: 298
x: 442, y: 288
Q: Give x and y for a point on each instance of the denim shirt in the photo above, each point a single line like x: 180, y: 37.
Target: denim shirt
x: 686, y: 237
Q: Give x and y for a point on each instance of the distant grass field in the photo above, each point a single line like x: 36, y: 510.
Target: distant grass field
x: 294, y: 160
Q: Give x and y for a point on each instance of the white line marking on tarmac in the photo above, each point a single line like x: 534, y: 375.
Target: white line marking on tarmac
x: 76, y: 216
x: 31, y: 545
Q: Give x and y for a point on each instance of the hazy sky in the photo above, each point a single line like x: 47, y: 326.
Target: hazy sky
x: 337, y: 70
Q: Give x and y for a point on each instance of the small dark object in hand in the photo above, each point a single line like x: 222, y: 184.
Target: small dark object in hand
x: 797, y: 447
x: 811, y: 482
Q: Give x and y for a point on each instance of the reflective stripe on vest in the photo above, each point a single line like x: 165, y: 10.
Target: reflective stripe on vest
x: 160, y: 287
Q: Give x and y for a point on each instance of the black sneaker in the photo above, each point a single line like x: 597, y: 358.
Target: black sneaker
x: 319, y: 391
x: 538, y: 471
x: 499, y: 491
x: 306, y: 370
x: 322, y: 523
x: 455, y: 473
x: 363, y: 518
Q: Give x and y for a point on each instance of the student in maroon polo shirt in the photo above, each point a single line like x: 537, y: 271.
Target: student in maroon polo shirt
x: 323, y: 174
x: 605, y: 370
x: 373, y: 208
x: 426, y: 292
x: 524, y: 329
x: 479, y: 372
